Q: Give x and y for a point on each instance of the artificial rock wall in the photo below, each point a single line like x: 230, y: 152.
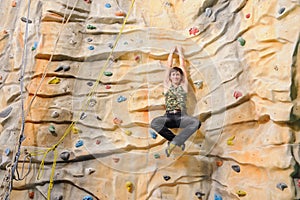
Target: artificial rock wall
x: 94, y: 94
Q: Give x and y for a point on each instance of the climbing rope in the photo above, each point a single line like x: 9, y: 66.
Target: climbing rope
x: 84, y: 108
x: 21, y: 135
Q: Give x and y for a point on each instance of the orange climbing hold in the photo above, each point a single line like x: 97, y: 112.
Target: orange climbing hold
x: 13, y: 3
x: 219, y: 163
x: 120, y: 14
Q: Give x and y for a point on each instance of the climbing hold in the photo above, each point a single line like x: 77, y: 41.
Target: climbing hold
x: 125, y: 43
x: 90, y: 83
x: 75, y: 130
x: 167, y: 178
x: 241, y: 193
x: 99, y: 118
x: 91, y: 27
x: 65, y: 155
x: 281, y: 10
x: 208, y: 12
x: 107, y: 5
x: 88, y: 197
x: 128, y: 132
x: 168, y: 4
x: 66, y: 68
x: 79, y: 143
x: 98, y: 141
x: 137, y: 58
x: 219, y: 163
x: 55, y: 114
x: 14, y: 4
x: 281, y: 186
x: 108, y: 73
x: 242, y: 41
x: 194, y: 31
x: 24, y: 19
x: 35, y: 44
x: 60, y: 197
x: 230, y: 140
x: 7, y: 151
x: 89, y: 40
x: 110, y: 45
x: 199, y: 194
x: 5, y: 112
x: 91, y: 47
x: 107, y: 86
x: 120, y: 14
x: 156, y: 156
x: 90, y: 170
x: 237, y: 94
x: 116, y: 160
x: 88, y: 1
x: 236, y: 168
x: 153, y: 134
x: 217, y: 197
x: 121, y: 99
x: 59, y: 68
x: 83, y: 116
x: 129, y: 186
x: 198, y: 83
x: 117, y: 120
x: 92, y: 102
x: 54, y: 80
x: 248, y: 15
x: 31, y: 195
x: 51, y: 129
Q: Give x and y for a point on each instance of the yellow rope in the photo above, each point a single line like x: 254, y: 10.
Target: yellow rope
x: 84, y: 108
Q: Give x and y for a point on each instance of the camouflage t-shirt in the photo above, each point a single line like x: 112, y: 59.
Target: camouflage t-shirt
x: 175, y: 98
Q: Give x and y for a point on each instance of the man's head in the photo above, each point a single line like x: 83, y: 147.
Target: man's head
x: 176, y: 75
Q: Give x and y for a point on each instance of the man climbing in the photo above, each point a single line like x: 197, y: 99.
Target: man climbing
x: 175, y: 91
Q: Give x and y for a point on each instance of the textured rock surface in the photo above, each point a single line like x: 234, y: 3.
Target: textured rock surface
x: 248, y: 102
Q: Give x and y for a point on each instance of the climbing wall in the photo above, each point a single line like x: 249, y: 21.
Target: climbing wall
x: 81, y: 80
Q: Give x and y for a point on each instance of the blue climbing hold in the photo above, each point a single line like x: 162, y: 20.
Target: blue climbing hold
x: 79, y: 143
x: 91, y: 47
x: 218, y: 197
x: 87, y: 198
x: 35, y: 44
x: 121, y: 99
x: 7, y: 151
x: 153, y: 134
x: 107, y: 5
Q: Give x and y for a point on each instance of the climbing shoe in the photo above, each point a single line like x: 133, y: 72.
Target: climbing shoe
x: 170, y: 148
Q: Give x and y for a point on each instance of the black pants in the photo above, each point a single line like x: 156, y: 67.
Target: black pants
x: 178, y: 120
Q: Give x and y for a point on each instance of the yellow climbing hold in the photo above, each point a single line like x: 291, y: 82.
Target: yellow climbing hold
x: 230, y: 140
x: 75, y: 130
x: 54, y: 80
x: 241, y: 193
x: 129, y: 186
x: 128, y: 132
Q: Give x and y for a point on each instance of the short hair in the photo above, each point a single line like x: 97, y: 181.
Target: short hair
x: 176, y: 69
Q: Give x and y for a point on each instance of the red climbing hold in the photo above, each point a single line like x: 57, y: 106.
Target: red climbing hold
x: 117, y: 120
x: 137, y: 58
x: 248, y: 16
x: 98, y: 141
x: 237, y: 94
x: 107, y: 86
x: 31, y: 195
x: 120, y: 14
x: 14, y: 4
x: 116, y: 160
x: 193, y: 31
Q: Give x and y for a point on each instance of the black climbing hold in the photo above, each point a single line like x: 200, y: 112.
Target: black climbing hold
x: 167, y: 178
x: 59, y: 68
x: 110, y: 45
x: 65, y: 155
x: 199, y: 194
x: 5, y: 112
x: 60, y: 197
x: 90, y: 83
x: 236, y: 168
x: 98, y: 118
x: 89, y: 40
x: 281, y: 186
x: 66, y: 68
x: 281, y: 10
x: 24, y: 19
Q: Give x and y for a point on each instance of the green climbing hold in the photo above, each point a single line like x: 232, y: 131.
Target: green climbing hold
x: 108, y: 73
x: 51, y: 129
x: 156, y: 156
x: 242, y: 41
x: 91, y: 27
